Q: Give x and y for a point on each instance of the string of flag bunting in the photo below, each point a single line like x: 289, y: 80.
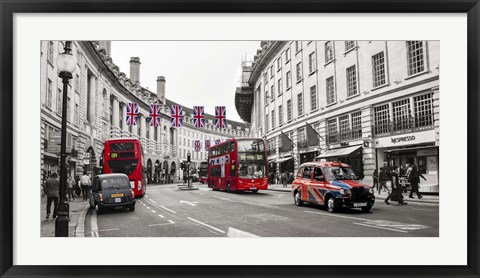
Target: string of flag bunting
x: 177, y: 114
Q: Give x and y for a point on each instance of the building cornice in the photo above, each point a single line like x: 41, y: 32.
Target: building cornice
x: 266, y: 56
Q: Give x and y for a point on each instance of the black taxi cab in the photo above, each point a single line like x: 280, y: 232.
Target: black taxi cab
x: 111, y: 191
x: 332, y: 184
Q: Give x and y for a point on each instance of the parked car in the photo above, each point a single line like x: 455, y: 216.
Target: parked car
x: 111, y: 191
x: 332, y: 184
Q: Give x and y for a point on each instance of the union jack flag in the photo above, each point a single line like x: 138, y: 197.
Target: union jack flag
x: 154, y: 119
x: 207, y: 145
x: 218, y: 141
x: 132, y: 114
x: 177, y: 115
x: 198, y: 116
x: 220, y: 117
x: 197, y: 145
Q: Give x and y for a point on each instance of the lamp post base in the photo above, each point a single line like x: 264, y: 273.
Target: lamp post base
x: 61, y: 223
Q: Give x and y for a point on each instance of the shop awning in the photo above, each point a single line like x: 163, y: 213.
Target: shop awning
x: 283, y: 159
x: 339, y: 152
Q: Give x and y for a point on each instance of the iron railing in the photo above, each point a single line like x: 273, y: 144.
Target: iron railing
x: 404, y: 125
x: 344, y: 136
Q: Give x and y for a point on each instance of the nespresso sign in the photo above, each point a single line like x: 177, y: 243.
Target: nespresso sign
x: 426, y: 136
x: 396, y: 140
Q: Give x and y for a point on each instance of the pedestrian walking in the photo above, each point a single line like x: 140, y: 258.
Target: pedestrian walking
x: 397, y: 189
x: 85, y: 183
x: 51, y: 187
x: 70, y: 184
x: 383, y: 178
x: 284, y: 179
x: 375, y: 181
x: 277, y: 178
x: 413, y: 177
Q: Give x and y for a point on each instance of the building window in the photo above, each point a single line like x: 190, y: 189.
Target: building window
x: 351, y: 81
x: 273, y: 119
x: 59, y: 102
x: 357, y: 125
x: 68, y: 110
x: 299, y: 72
x: 77, y: 82
x: 75, y: 115
x: 289, y: 80
x: 312, y: 63
x: 331, y: 98
x: 378, y: 64
x: 280, y: 115
x: 279, y: 86
x: 416, y: 61
x: 349, y: 45
x: 266, y: 122
x: 271, y: 71
x: 344, y: 127
x: 266, y: 94
x: 272, y: 91
x: 401, y: 115
x: 381, y: 119
x: 328, y: 51
x: 423, y: 110
x: 265, y: 77
x: 301, y: 135
x: 332, y: 132
x: 289, y: 110
x: 50, y: 52
x: 313, y: 98
x: 49, y: 94
x: 298, y: 46
x: 300, y: 104
x: 279, y: 63
x: 287, y: 55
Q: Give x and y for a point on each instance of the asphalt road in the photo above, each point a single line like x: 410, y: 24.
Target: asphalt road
x: 166, y: 211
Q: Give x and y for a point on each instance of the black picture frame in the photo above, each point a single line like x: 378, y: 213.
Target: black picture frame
x: 10, y: 7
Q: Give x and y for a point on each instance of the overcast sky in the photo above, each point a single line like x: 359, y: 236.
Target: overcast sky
x: 203, y: 73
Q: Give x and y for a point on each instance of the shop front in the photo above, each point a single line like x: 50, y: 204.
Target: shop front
x: 412, y: 148
x: 286, y: 165
x: 308, y: 156
x: 351, y: 155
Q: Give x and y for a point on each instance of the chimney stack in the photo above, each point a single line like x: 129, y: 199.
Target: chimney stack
x: 135, y: 70
x: 161, y: 89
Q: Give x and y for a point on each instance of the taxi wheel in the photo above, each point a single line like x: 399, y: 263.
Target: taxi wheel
x: 228, y: 187
x: 331, y: 205
x: 213, y: 186
x: 255, y: 190
x: 132, y: 208
x: 99, y: 209
x: 298, y: 198
x: 367, y: 208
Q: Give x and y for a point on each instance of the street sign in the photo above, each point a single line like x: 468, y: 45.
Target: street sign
x: 54, y: 142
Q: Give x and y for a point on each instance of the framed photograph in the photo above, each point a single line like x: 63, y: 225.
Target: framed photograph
x: 239, y: 138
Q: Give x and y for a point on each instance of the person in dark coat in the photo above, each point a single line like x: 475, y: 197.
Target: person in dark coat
x: 375, y: 181
x: 52, y: 187
x: 397, y: 189
x: 383, y: 178
x: 413, y: 177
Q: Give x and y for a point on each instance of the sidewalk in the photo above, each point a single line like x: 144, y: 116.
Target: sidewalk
x: 431, y: 198
x: 78, y: 210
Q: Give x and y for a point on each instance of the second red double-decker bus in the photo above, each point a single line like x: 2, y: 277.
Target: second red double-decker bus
x: 238, y: 165
x: 203, y: 172
x: 125, y: 155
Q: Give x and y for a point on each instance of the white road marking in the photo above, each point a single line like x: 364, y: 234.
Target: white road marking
x: 258, y: 204
x: 336, y: 215
x: 189, y: 203
x: 225, y: 199
x: 148, y: 207
x: 161, y: 216
x: 206, y: 225
x: 170, y: 223
x: 154, y: 211
x: 144, y: 205
x: 423, y: 209
x: 153, y: 201
x: 168, y: 209
x: 384, y: 228
x: 105, y: 230
x: 239, y: 233
x: 93, y: 224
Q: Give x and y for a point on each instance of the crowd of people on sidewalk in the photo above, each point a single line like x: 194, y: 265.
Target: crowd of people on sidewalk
x: 283, y: 178
x: 390, y: 177
x: 76, y: 188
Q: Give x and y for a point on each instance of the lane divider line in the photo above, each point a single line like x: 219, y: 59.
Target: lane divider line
x: 112, y: 229
x: 258, y: 204
x: 336, y: 215
x: 168, y: 209
x: 161, y: 224
x: 151, y: 200
x: 232, y: 232
x: 161, y: 216
x: 93, y: 224
x: 154, y: 211
x: 206, y: 225
x: 377, y: 227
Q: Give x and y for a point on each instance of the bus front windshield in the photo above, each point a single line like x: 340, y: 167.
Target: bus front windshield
x: 251, y: 159
x: 125, y: 166
x: 339, y: 173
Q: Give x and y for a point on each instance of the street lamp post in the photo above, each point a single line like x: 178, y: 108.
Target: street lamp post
x: 66, y: 65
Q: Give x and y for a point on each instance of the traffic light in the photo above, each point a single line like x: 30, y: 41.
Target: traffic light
x: 188, y: 157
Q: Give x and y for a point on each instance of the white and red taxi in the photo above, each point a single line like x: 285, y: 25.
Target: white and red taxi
x: 332, y: 184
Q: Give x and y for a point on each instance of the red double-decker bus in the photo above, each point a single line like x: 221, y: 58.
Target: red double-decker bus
x: 125, y: 155
x: 203, y: 172
x: 238, y: 165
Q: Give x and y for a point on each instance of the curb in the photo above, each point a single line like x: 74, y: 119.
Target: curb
x: 80, y: 228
